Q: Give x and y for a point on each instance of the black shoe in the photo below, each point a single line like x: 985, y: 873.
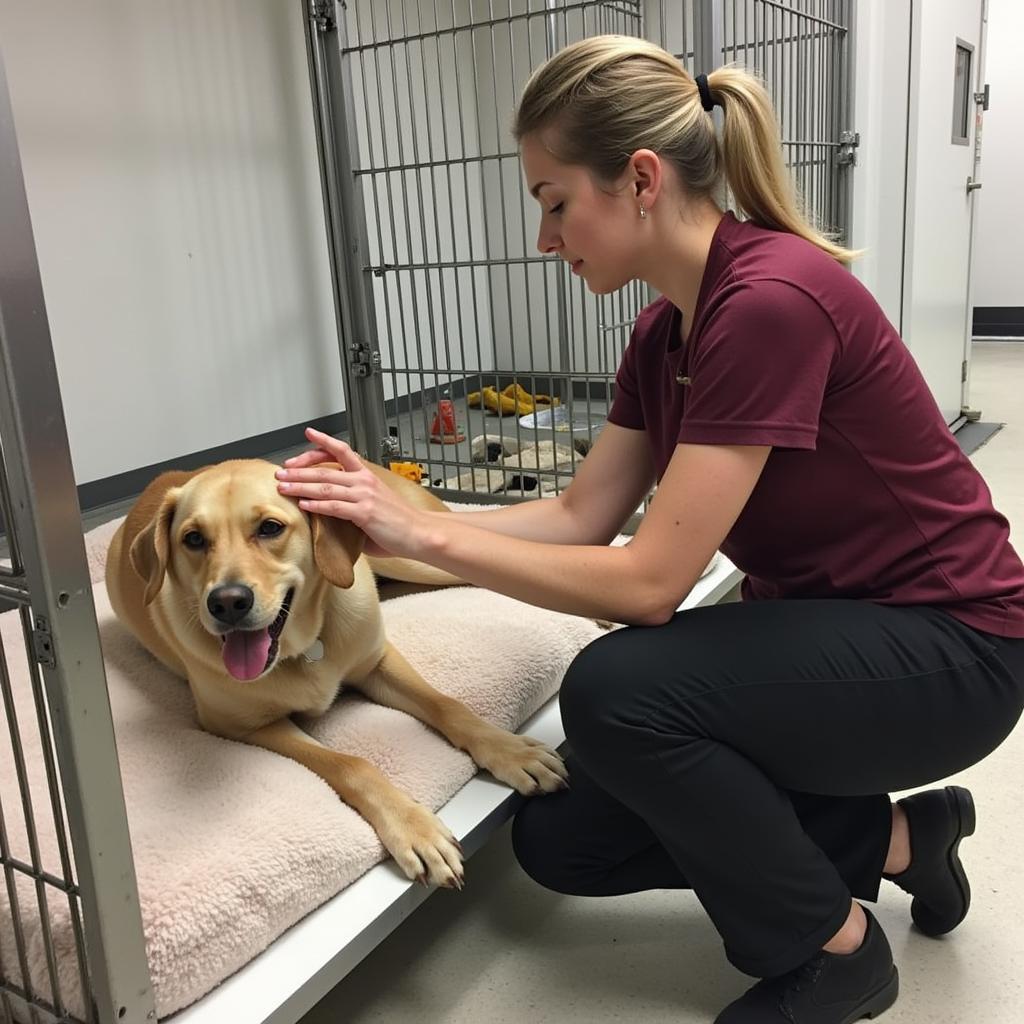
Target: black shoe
x: 938, y: 820
x: 828, y: 989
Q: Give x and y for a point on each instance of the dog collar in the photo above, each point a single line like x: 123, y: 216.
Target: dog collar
x: 315, y: 651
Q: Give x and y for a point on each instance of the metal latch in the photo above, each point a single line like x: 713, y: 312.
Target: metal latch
x: 42, y: 642
x: 364, y: 362
x: 848, y: 143
x: 321, y: 12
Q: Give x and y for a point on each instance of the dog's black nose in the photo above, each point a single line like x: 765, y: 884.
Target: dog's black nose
x: 231, y: 603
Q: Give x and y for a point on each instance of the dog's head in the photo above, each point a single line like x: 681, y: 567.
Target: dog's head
x: 242, y: 560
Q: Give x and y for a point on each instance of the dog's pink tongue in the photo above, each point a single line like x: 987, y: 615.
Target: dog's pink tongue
x: 245, y: 652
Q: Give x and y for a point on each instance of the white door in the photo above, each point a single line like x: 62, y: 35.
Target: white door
x: 945, y: 58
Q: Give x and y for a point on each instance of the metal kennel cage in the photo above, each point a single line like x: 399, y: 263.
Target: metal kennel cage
x: 66, y: 717
x: 439, y: 293
x: 442, y: 293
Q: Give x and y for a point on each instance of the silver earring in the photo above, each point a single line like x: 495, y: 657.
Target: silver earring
x: 643, y: 212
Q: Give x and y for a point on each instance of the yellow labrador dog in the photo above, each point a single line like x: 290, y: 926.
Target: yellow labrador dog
x: 267, y: 611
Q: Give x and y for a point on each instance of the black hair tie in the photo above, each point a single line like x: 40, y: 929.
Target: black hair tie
x: 705, y: 93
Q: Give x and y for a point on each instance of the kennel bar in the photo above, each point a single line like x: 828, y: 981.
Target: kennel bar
x: 49, y: 580
x: 462, y: 300
x: 457, y: 297
x: 333, y: 117
x: 801, y: 50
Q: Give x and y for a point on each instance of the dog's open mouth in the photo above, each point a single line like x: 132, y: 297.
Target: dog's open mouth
x: 248, y: 653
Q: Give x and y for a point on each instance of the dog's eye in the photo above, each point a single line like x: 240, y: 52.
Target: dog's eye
x: 194, y: 540
x: 271, y: 528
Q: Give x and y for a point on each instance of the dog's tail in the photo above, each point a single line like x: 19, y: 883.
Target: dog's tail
x: 408, y: 571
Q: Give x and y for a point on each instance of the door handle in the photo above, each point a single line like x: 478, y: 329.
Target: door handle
x: 972, y: 185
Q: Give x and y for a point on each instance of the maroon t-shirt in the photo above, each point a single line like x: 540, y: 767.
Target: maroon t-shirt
x: 866, y: 493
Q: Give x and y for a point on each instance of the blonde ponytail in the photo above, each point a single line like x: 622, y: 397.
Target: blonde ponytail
x: 751, y: 152
x: 600, y: 100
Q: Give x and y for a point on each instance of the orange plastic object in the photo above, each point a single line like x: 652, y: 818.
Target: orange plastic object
x: 444, y: 430
x: 410, y: 470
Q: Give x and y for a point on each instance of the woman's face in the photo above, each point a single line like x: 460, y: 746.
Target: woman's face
x: 591, y: 228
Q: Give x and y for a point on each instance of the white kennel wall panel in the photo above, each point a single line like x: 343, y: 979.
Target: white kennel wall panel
x: 997, y: 278
x: 939, y: 205
x: 172, y: 175
x: 881, y: 84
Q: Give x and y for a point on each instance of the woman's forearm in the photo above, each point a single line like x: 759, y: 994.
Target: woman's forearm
x: 544, y: 520
x: 596, y: 581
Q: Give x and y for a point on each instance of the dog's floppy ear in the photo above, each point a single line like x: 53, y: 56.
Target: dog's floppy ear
x: 337, y: 544
x: 151, y: 548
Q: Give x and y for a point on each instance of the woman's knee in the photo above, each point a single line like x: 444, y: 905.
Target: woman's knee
x: 592, y: 687
x: 615, y: 689
x: 538, y: 847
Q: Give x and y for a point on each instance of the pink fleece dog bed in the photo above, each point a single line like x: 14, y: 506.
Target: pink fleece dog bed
x: 234, y: 844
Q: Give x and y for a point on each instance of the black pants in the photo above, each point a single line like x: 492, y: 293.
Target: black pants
x: 745, y: 751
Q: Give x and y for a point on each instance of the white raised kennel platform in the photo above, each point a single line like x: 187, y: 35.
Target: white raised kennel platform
x: 296, y: 971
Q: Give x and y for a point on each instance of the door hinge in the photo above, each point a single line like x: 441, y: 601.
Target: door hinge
x: 963, y: 372
x: 322, y: 14
x: 848, y: 143
x: 364, y: 362
x: 42, y: 643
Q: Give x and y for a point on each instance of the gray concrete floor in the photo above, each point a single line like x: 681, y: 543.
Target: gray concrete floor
x: 505, y: 951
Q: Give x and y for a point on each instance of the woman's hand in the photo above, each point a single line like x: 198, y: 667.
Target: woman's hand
x: 352, y: 492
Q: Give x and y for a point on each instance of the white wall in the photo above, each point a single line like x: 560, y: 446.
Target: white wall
x: 171, y: 171
x: 881, y: 69
x: 916, y: 260
x: 997, y: 277
x: 939, y: 207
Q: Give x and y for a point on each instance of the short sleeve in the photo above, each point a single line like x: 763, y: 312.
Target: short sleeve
x: 759, y: 372
x: 626, y: 410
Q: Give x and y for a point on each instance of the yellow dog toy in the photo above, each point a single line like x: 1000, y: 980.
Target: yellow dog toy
x: 512, y: 399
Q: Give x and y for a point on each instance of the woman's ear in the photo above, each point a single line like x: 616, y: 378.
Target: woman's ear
x: 646, y: 174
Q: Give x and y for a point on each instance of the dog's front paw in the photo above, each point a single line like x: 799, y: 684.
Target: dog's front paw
x: 422, y: 845
x: 521, y: 762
